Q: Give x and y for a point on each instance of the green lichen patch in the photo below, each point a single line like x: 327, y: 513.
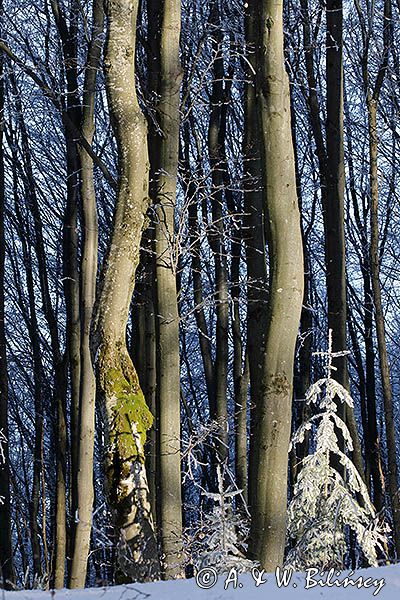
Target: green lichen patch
x: 130, y: 417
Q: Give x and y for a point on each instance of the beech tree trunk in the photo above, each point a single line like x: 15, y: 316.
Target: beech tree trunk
x: 335, y: 253
x: 216, y: 236
x: 88, y: 291
x: 126, y: 414
x: 68, y: 31
x: 168, y: 359
x: 273, y: 413
x: 393, y: 471
x: 254, y: 234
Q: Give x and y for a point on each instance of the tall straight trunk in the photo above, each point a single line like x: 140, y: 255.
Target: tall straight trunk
x: 241, y: 373
x: 88, y: 291
x: 151, y: 384
x: 374, y: 444
x: 154, y: 16
x: 68, y: 34
x: 372, y: 90
x: 38, y: 387
x: 126, y: 415
x: 7, y: 574
x: 335, y: 253
x: 257, y: 284
x: 60, y: 526
x: 168, y: 359
x: 335, y: 245
x: 393, y: 470
x: 216, y: 236
x: 241, y: 453
x: 302, y: 377
x: 273, y: 413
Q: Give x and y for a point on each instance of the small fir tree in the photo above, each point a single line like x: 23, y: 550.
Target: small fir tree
x: 219, y: 541
x: 328, y: 502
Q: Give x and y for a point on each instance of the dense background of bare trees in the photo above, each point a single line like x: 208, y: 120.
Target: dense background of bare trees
x: 191, y: 193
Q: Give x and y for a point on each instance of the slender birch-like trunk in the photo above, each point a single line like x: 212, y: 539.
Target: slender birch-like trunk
x: 393, y: 471
x: 84, y: 473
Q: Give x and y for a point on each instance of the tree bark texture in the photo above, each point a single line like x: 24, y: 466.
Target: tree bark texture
x: 273, y: 413
x: 84, y: 473
x: 168, y: 359
x: 127, y: 416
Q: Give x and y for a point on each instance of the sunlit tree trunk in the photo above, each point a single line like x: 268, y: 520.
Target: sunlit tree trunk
x: 88, y: 290
x: 127, y: 416
x: 273, y: 412
x: 168, y: 359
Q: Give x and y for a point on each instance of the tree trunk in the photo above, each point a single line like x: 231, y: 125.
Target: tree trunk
x: 241, y: 463
x: 257, y: 283
x: 6, y: 553
x: 126, y: 414
x: 380, y: 323
x: 374, y: 444
x: 153, y: 50
x: 72, y: 120
x: 88, y: 291
x: 273, y: 413
x: 216, y: 236
x: 168, y: 360
x: 335, y: 253
x: 335, y: 245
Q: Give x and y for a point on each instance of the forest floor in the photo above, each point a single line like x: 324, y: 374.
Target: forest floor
x: 382, y: 582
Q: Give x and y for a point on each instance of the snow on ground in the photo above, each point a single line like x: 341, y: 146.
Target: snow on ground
x: 383, y: 583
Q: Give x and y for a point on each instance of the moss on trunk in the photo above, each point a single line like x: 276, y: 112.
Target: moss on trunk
x: 127, y: 418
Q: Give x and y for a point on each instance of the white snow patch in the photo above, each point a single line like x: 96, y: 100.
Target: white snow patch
x: 188, y: 590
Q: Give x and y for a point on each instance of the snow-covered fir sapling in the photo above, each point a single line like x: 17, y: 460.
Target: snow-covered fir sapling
x: 327, y: 502
x: 219, y: 540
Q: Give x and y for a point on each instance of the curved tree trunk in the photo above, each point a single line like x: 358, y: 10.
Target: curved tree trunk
x: 273, y: 413
x: 127, y: 416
